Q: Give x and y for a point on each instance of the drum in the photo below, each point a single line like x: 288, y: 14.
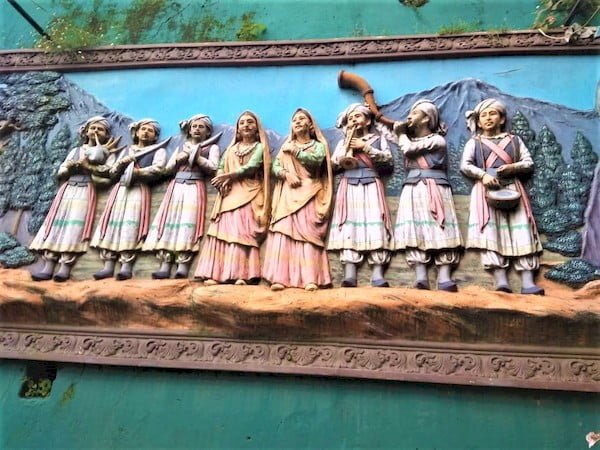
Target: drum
x: 505, y: 199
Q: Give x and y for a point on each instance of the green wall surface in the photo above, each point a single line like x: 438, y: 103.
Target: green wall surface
x: 114, y: 408
x: 309, y: 19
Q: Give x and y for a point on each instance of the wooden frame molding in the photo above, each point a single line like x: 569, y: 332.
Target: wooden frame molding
x: 331, y: 51
x: 468, y: 364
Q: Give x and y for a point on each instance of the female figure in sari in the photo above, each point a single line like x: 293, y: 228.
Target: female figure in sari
x: 178, y: 226
x: 295, y: 254
x: 230, y: 253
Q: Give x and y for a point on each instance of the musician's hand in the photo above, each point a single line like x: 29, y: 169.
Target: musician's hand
x: 506, y: 170
x: 357, y: 144
x: 400, y: 128
x: 182, y: 158
x: 490, y: 181
x: 293, y: 180
x: 126, y: 160
x: 85, y: 164
x: 111, y: 144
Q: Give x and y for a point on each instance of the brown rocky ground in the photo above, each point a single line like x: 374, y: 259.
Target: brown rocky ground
x: 562, y: 318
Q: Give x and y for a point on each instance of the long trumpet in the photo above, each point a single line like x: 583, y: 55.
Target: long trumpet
x: 348, y: 161
x: 349, y: 80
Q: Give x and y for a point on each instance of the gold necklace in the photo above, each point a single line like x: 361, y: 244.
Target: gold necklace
x: 302, y: 147
x: 239, y: 151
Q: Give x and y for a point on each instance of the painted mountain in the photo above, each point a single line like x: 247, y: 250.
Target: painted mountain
x: 456, y: 98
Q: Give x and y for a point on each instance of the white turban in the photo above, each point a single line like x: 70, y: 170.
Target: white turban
x: 134, y: 126
x: 342, y: 119
x: 184, y: 125
x: 428, y: 108
x: 473, y: 116
x: 96, y: 119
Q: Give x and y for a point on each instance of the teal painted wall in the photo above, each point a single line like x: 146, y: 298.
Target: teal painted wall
x: 114, y: 408
x: 309, y: 19
x: 275, y: 92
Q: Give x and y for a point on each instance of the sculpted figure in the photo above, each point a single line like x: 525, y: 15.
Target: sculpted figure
x: 66, y: 231
x: 124, y: 221
x: 295, y: 251
x: 361, y: 223
x: 230, y: 253
x: 178, y: 226
x: 426, y: 225
x: 504, y: 231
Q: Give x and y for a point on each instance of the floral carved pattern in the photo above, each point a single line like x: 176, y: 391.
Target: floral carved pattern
x: 416, y: 361
x: 332, y: 51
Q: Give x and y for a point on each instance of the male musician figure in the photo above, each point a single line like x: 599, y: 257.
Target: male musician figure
x: 494, y: 159
x: 178, y: 226
x: 124, y: 222
x: 426, y: 226
x: 361, y: 223
x: 66, y: 231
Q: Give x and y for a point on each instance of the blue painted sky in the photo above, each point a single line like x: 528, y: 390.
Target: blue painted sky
x: 170, y: 95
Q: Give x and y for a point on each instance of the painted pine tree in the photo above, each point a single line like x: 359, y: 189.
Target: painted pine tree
x: 460, y: 184
x: 520, y: 127
x: 34, y: 99
x: 549, y: 165
x: 12, y: 253
x: 573, y: 194
x: 57, y: 152
x: 7, y: 172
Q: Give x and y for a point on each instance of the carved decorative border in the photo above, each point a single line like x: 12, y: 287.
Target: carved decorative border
x: 485, y: 365
x: 331, y: 51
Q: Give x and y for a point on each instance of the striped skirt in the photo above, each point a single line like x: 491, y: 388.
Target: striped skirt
x: 179, y: 233
x: 508, y: 233
x: 363, y: 228
x: 415, y: 225
x: 123, y: 220
x: 65, y: 233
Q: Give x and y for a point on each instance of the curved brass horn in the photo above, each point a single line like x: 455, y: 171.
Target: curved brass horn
x: 349, y: 80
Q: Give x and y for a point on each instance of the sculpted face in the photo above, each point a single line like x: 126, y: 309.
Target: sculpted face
x: 301, y: 123
x: 490, y: 121
x: 146, y: 134
x: 247, y: 127
x: 417, y: 119
x: 97, y: 129
x: 199, y: 130
x: 359, y: 120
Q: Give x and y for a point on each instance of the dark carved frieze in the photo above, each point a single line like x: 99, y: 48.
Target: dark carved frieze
x: 527, y: 367
x: 332, y: 51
